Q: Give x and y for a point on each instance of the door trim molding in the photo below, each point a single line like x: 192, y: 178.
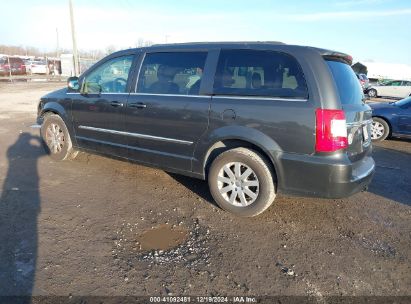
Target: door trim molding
x: 138, y: 135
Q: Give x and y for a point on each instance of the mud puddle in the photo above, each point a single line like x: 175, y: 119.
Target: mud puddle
x: 163, y: 237
x: 163, y: 244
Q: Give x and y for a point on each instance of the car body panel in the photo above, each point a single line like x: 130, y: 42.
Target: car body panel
x: 395, y: 88
x: 12, y: 65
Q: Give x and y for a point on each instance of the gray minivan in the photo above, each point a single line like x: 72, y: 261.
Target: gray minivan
x: 254, y: 119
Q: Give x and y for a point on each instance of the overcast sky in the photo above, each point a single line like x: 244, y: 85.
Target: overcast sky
x: 378, y: 30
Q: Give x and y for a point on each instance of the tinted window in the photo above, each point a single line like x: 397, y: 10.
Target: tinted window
x: 110, y: 77
x: 348, y: 87
x: 39, y: 62
x: 3, y: 60
x: 259, y: 73
x: 172, y: 73
x: 394, y: 83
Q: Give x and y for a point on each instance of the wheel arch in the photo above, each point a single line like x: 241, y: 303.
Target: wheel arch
x: 258, y: 142
x: 55, y: 108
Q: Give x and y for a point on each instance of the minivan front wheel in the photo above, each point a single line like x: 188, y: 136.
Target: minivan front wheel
x: 56, y: 138
x: 241, y: 182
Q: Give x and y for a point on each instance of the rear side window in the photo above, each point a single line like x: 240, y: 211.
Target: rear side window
x: 177, y: 73
x: 259, y: 73
x: 348, y: 87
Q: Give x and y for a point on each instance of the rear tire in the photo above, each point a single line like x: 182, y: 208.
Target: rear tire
x: 372, y: 93
x: 242, y: 182
x: 379, y: 129
x: 56, y: 138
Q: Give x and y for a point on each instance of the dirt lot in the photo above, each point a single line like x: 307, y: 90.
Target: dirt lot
x: 90, y: 226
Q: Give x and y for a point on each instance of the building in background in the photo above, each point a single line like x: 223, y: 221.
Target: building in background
x: 67, y: 64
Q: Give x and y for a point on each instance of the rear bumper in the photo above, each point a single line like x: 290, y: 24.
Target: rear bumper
x: 324, y: 176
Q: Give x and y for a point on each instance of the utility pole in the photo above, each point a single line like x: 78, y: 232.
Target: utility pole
x: 8, y: 60
x: 57, y: 43
x: 57, y: 51
x: 73, y: 35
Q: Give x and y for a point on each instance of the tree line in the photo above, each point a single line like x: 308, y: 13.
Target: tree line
x: 89, y: 54
x: 33, y: 51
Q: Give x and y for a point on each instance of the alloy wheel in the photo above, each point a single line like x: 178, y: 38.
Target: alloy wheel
x: 377, y: 130
x: 55, y: 138
x: 238, y: 184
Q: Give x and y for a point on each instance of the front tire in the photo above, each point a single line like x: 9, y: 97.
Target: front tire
x: 372, y: 93
x: 242, y: 182
x: 56, y: 138
x: 379, y: 129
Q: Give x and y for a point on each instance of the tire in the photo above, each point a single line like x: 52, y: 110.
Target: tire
x: 56, y: 138
x: 256, y: 172
x: 380, y: 129
x: 372, y: 93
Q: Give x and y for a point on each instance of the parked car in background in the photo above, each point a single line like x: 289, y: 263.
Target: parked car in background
x: 391, y: 119
x: 27, y: 65
x: 363, y: 79
x: 39, y: 67
x: 14, y: 64
x: 394, y: 88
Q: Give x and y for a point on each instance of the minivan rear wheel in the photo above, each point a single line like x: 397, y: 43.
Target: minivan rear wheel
x: 242, y: 182
x: 56, y: 138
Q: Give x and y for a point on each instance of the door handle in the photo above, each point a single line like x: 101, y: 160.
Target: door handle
x: 138, y: 105
x: 117, y: 104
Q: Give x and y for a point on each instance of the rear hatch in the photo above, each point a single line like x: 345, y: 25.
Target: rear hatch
x: 358, y: 115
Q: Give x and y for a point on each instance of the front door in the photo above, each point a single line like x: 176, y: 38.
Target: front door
x: 98, y: 111
x: 166, y: 115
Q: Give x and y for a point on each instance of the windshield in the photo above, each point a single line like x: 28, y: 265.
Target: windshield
x: 348, y: 86
x: 403, y: 101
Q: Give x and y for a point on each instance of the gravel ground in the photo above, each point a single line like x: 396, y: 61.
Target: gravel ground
x: 81, y: 227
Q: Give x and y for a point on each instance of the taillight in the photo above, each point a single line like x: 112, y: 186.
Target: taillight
x: 331, y: 130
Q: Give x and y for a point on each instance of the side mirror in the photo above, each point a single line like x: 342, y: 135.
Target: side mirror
x: 72, y: 84
x: 91, y: 88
